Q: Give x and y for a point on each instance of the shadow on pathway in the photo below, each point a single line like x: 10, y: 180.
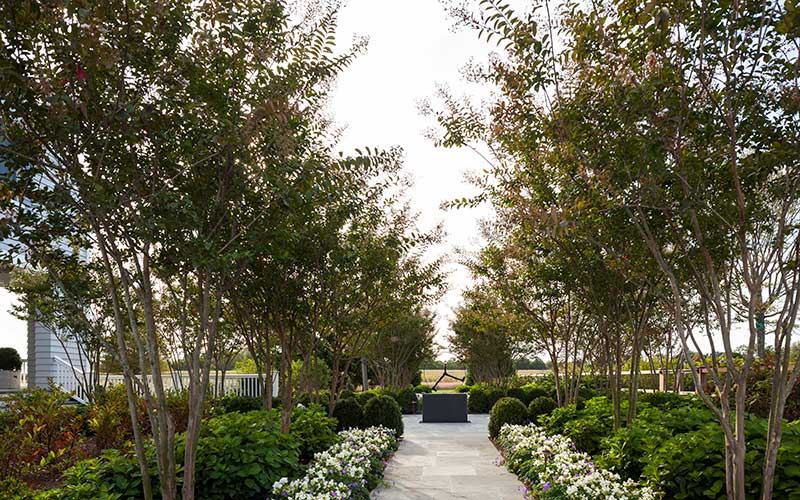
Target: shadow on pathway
x: 447, y: 461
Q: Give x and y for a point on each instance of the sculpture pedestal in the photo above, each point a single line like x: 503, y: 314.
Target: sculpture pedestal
x: 444, y: 408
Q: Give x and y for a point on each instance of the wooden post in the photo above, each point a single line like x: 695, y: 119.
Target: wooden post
x: 364, y: 376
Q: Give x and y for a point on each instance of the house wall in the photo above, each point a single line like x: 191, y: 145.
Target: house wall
x: 43, y: 348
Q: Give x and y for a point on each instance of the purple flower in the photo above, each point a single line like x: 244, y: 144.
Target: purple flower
x: 334, y: 494
x: 546, y: 486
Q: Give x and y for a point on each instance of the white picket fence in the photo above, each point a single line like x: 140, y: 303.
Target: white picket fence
x: 240, y: 384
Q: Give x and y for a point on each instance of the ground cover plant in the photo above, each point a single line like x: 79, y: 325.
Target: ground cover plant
x: 349, y: 469
x: 551, y: 467
x: 673, y: 445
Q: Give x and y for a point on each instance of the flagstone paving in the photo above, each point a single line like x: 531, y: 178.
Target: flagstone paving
x: 446, y: 462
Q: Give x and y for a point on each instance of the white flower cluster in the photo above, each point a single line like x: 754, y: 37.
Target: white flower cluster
x: 343, y: 468
x: 554, y: 469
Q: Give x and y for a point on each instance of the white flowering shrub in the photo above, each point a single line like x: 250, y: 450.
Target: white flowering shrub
x: 555, y: 470
x: 348, y: 469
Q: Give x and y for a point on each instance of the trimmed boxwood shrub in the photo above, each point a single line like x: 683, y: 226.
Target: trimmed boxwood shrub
x: 541, y: 406
x: 478, y: 401
x: 242, y: 404
x: 406, y: 398
x: 507, y: 410
x: 533, y: 392
x: 423, y: 389
x: 314, y: 430
x: 348, y: 414
x: 463, y: 388
x: 9, y: 359
x: 384, y: 410
x: 519, y: 393
x: 363, y: 397
x: 494, y: 394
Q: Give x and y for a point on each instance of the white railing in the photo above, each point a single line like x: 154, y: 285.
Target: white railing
x: 23, y: 374
x: 66, y: 377
x: 239, y: 384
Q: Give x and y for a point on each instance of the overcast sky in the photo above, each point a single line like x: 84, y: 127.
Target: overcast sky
x: 411, y: 50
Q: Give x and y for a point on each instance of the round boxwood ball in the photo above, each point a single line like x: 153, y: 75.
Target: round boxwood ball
x: 506, y: 411
x: 541, y: 406
x: 348, y: 414
x: 384, y: 411
x: 363, y: 398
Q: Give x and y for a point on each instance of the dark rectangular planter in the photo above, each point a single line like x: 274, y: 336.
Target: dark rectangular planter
x: 444, y: 408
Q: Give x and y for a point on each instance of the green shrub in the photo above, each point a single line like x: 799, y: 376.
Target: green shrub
x: 407, y: 400
x: 518, y: 393
x: 588, y: 431
x: 240, y: 455
x: 533, y: 392
x: 12, y: 488
x: 627, y: 450
x: 692, y: 465
x: 478, y: 401
x: 10, y: 359
x: 363, y: 397
x: 321, y: 397
x: 39, y: 435
x: 313, y: 429
x: 463, y: 388
x: 493, y: 395
x: 384, y: 411
x: 241, y: 404
x: 507, y: 410
x: 113, y: 474
x: 423, y: 389
x: 348, y: 414
x: 542, y: 405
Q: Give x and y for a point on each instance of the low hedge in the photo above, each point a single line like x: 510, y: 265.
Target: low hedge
x: 507, y: 410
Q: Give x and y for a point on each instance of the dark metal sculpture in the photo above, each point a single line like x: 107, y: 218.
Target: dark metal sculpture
x: 445, y: 374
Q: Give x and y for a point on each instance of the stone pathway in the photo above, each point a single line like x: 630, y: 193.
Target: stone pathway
x: 446, y: 462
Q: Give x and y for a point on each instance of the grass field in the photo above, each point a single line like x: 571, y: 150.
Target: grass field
x: 430, y: 377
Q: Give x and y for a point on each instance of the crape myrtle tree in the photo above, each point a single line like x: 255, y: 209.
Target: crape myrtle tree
x: 682, y: 116
x: 550, y: 316
x: 157, y: 135
x: 399, y: 346
x: 482, y: 337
